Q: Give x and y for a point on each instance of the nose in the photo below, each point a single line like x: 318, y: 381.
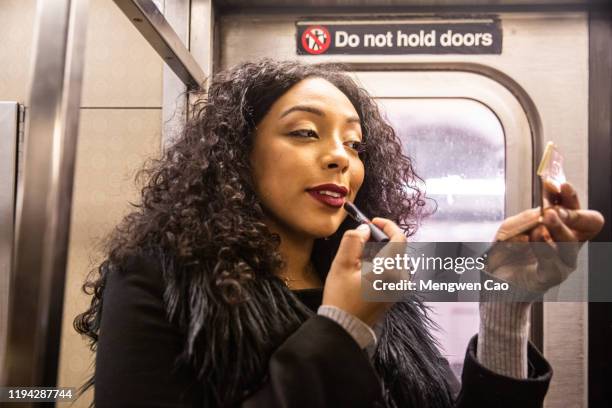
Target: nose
x: 335, y: 155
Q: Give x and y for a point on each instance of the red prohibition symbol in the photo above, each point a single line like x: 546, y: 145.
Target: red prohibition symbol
x: 316, y: 40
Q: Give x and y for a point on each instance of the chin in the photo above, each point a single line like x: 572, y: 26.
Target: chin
x: 324, y: 231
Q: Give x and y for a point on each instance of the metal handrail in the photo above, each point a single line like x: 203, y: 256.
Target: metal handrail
x: 154, y: 27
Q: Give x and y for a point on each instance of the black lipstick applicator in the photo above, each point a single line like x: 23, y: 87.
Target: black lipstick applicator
x: 376, y: 233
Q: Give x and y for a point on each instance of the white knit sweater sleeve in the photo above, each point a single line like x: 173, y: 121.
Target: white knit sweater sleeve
x: 360, y: 331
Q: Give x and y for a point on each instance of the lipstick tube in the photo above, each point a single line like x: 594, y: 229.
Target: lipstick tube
x: 376, y: 233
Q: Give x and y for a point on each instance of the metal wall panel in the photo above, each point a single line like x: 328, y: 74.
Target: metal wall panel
x: 16, y: 30
x: 121, y: 68
x: 113, y: 145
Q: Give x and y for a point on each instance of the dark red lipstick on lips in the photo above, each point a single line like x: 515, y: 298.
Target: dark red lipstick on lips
x: 330, y: 194
x: 376, y: 233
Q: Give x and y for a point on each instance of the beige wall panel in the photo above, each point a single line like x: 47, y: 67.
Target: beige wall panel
x: 17, y: 32
x: 121, y: 68
x: 113, y: 145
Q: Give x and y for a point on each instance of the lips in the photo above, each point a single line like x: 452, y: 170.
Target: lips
x: 329, y: 194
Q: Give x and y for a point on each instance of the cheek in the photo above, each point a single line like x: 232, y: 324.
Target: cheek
x: 270, y: 169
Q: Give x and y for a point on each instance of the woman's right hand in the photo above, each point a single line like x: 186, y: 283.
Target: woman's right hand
x: 343, y: 283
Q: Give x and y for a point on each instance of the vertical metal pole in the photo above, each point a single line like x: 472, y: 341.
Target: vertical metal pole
x: 9, y: 121
x: 174, y: 106
x: 43, y: 210
x: 194, y: 24
x: 202, y: 35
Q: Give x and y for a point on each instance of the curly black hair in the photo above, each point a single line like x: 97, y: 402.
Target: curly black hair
x: 199, y: 211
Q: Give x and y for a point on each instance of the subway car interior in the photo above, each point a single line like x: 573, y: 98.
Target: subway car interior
x: 90, y: 90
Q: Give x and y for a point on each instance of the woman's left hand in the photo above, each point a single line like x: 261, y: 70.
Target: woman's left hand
x: 564, y: 228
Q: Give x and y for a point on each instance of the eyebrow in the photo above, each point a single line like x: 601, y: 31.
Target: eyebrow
x: 316, y: 111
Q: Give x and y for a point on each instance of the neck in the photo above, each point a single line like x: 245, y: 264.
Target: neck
x: 296, y: 249
x: 296, y: 253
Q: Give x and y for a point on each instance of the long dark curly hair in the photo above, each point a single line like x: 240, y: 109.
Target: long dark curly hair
x: 200, y: 217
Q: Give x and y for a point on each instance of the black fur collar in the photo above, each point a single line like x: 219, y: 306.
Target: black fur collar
x: 230, y: 345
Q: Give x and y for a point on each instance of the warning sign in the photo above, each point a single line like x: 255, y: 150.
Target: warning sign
x: 315, y: 40
x: 395, y: 38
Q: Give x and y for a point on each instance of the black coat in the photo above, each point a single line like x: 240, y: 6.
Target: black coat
x: 319, y: 365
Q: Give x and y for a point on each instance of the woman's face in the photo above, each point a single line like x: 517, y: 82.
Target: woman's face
x: 305, y: 159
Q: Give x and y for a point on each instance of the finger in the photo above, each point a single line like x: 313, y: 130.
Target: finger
x: 351, y: 247
x: 566, y: 241
x: 569, y: 197
x: 543, y: 246
x: 541, y: 234
x: 552, y: 252
x: 558, y: 230
x: 555, y: 261
x: 396, y: 246
x: 517, y: 224
x: 390, y: 228
x: 587, y: 223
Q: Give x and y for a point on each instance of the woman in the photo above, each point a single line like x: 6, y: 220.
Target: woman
x: 210, y: 292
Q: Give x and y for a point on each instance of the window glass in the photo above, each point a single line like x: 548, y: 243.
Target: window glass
x: 457, y: 147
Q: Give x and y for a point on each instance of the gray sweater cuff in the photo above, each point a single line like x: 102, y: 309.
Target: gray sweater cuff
x: 359, y: 331
x: 503, y: 336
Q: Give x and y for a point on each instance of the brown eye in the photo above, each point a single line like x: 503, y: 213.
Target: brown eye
x: 304, y: 133
x: 358, y: 146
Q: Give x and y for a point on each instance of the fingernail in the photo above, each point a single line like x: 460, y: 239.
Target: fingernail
x: 563, y: 214
x: 363, y: 227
